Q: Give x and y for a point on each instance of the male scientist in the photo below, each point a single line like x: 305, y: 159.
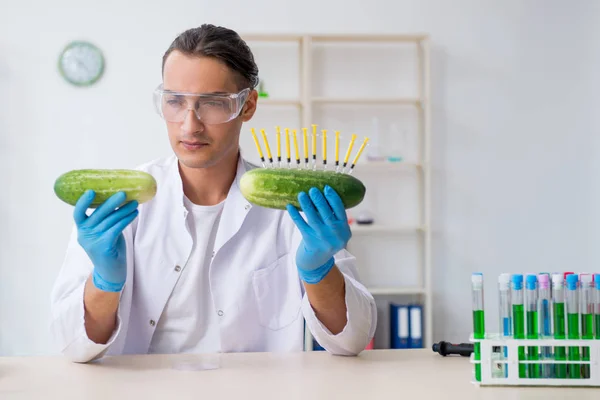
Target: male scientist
x: 198, y: 269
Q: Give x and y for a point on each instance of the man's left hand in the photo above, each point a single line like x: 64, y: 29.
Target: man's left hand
x: 325, y: 232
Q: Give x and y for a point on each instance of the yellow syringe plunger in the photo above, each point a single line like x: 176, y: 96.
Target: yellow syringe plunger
x: 287, y: 144
x: 314, y: 142
x: 360, y: 150
x: 337, y: 148
x: 264, y: 136
x: 305, y: 141
x: 260, y: 153
x: 324, y: 131
x: 297, y: 150
x: 278, y: 135
x: 349, y: 151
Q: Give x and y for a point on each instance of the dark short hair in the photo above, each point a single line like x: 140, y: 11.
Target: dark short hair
x: 222, y: 44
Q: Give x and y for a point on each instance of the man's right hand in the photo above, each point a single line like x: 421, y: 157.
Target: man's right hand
x: 101, y: 236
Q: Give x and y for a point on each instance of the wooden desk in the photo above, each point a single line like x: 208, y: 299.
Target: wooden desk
x: 376, y: 374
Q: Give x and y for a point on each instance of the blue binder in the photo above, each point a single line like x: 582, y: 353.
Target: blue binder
x: 416, y: 326
x: 399, y: 326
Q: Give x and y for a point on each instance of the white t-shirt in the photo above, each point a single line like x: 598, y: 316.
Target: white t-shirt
x: 190, y: 303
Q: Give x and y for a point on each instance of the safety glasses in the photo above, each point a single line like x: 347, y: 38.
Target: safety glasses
x: 209, y: 108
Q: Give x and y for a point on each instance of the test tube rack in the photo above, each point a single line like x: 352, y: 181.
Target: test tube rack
x: 500, y: 370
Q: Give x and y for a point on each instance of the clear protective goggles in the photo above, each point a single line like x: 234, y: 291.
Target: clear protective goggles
x: 209, y: 108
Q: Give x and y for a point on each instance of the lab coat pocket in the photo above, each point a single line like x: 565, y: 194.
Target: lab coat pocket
x: 277, y: 293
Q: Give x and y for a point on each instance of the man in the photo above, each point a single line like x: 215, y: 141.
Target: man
x: 199, y: 269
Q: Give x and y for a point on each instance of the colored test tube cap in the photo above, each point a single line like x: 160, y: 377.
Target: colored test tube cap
x: 531, y: 282
x: 517, y: 280
x: 544, y: 280
x: 477, y: 278
x: 572, y: 280
x: 567, y: 274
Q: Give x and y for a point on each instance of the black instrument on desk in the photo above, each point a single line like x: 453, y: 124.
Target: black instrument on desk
x: 447, y: 348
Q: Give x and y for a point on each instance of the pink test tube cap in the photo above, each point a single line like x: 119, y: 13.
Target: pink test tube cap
x: 543, y: 281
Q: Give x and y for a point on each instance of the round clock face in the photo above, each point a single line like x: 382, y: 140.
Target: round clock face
x: 81, y: 63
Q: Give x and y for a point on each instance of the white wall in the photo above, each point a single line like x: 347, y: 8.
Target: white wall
x: 515, y: 131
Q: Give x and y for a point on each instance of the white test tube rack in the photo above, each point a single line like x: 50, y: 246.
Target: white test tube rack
x: 490, y: 361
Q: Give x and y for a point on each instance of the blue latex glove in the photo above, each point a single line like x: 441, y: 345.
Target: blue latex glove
x: 325, y: 232
x: 101, y: 236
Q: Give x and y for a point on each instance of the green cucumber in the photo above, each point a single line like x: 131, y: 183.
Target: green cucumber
x: 137, y: 185
x: 278, y: 187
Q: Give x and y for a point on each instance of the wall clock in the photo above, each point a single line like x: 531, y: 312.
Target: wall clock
x: 81, y: 63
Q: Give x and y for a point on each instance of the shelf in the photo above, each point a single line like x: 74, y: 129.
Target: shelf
x: 383, y: 230
x: 367, y: 100
x: 382, y: 291
x: 278, y: 102
x: 310, y: 89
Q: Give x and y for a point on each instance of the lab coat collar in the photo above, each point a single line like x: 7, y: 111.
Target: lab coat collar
x: 235, y: 208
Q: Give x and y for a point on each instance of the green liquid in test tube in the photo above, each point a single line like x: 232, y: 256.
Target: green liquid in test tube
x: 519, y: 319
x: 597, y: 304
x: 558, y: 307
x: 573, y: 323
x: 586, y: 306
x: 531, y: 295
x: 478, y: 319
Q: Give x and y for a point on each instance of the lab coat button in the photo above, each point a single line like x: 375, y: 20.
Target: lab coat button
x: 177, y: 268
x: 152, y: 323
x: 213, y: 253
x: 220, y: 313
x: 247, y: 207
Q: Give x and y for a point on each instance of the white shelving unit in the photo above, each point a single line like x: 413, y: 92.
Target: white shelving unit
x: 295, y: 69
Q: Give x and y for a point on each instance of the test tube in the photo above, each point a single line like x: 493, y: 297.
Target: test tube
x: 505, y: 315
x: 531, y: 294
x: 478, y: 318
x: 597, y: 301
x: 573, y: 323
x: 516, y: 296
x: 558, y: 309
x: 545, y: 320
x: 586, y: 306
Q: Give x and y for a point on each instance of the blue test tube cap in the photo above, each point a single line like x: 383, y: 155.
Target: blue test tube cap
x: 572, y: 280
x: 517, y: 280
x: 531, y: 282
x: 597, y: 281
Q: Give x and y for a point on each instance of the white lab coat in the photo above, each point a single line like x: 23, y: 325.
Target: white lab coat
x: 254, y: 282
